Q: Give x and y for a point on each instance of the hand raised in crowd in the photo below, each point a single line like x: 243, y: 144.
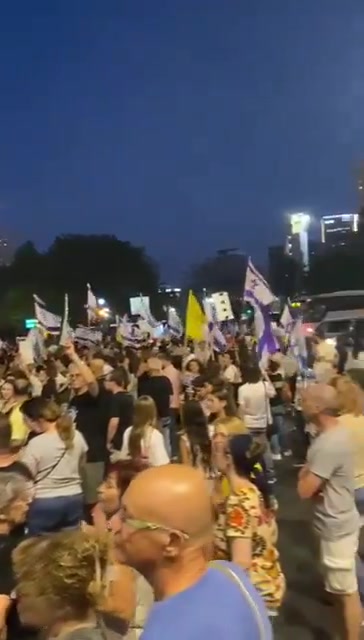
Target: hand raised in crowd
x: 69, y: 349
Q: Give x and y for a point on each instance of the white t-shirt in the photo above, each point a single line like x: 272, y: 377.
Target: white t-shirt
x: 56, y: 473
x: 232, y: 374
x: 152, y: 446
x: 253, y: 401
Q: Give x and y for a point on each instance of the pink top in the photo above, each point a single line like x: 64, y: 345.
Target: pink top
x: 175, y: 378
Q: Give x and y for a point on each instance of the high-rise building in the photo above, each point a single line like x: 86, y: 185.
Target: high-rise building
x: 297, y: 239
x: 6, y: 252
x: 340, y: 229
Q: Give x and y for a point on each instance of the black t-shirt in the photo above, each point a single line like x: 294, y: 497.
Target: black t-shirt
x: 91, y: 421
x: 160, y: 389
x: 122, y: 407
x: 15, y: 631
x: 278, y: 383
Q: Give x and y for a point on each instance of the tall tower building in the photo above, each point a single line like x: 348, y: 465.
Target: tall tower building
x: 340, y: 229
x: 6, y: 252
x: 297, y: 239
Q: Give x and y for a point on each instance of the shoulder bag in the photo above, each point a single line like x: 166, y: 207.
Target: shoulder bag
x: 231, y: 575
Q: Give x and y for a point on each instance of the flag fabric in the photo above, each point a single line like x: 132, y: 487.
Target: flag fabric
x: 256, y: 287
x: 91, y: 305
x: 174, y: 322
x: 216, y: 338
x: 287, y: 321
x: 48, y: 321
x: 87, y: 335
x: 195, y: 319
x: 129, y: 334
x: 36, y: 339
x: 66, y: 331
x: 258, y: 293
x: 147, y: 316
x: 297, y: 344
x: 210, y: 310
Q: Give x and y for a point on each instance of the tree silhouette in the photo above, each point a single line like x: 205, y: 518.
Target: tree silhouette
x: 116, y: 270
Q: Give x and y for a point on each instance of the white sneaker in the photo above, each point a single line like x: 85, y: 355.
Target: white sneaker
x: 276, y: 456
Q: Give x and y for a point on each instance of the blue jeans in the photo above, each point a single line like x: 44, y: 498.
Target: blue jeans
x: 279, y: 441
x: 48, y: 515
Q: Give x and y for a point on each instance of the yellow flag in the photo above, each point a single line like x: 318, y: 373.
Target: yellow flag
x: 195, y: 319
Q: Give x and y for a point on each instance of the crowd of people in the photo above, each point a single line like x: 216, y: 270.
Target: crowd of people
x: 138, y: 489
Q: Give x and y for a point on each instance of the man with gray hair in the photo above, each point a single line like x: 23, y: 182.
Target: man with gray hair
x: 327, y: 479
x: 14, y: 501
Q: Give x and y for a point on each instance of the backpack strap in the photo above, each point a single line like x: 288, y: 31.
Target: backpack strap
x: 233, y: 577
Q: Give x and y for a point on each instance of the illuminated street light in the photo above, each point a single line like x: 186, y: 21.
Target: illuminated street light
x: 101, y: 302
x: 104, y: 312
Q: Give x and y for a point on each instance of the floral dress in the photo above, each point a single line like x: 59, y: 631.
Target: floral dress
x: 244, y: 515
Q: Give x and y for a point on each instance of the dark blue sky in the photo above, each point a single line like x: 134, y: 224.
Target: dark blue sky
x: 183, y: 125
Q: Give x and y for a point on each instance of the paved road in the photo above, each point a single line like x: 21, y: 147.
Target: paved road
x: 304, y: 615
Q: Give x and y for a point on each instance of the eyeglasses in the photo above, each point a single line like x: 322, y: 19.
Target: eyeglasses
x: 145, y: 525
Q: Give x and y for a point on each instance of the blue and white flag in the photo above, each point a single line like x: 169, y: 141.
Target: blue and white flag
x: 66, y: 331
x: 297, y: 344
x: 48, y: 321
x: 147, y: 316
x: 216, y: 338
x: 174, y: 322
x: 88, y: 335
x: 287, y: 322
x: 36, y: 340
x: 210, y: 310
x: 258, y: 293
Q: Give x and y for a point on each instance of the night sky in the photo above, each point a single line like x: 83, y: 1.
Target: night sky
x: 183, y: 125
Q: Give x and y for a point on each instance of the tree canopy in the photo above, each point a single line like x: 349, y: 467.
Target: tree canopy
x: 115, y: 269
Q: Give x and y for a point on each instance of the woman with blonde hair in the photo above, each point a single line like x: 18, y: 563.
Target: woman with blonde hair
x: 143, y: 442
x: 351, y: 407
x: 55, y: 459
x: 72, y: 587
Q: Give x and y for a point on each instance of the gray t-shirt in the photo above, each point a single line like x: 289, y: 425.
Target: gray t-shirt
x: 330, y: 457
x: 56, y: 472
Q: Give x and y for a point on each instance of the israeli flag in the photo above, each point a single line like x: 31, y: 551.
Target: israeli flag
x: 287, y: 322
x: 174, y: 322
x: 216, y: 338
x: 258, y: 293
x: 48, y: 321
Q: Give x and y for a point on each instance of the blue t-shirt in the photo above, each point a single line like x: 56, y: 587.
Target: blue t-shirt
x: 214, y: 608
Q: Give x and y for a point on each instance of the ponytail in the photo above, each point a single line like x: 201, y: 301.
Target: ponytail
x: 66, y: 430
x: 259, y: 479
x: 247, y: 457
x: 51, y: 412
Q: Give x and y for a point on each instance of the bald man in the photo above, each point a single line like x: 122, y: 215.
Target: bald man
x: 167, y: 535
x: 328, y: 480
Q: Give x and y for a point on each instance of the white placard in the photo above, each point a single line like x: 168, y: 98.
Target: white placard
x: 138, y: 305
x: 222, y: 306
x: 26, y: 351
